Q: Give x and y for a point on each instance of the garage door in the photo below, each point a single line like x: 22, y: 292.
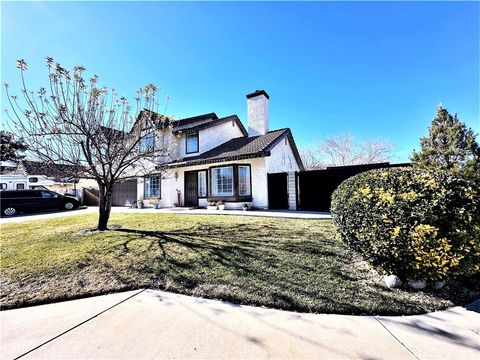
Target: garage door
x: 124, y: 191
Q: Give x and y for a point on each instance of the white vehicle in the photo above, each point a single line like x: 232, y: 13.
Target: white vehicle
x: 23, y: 182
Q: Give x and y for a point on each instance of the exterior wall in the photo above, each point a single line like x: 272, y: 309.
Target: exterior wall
x: 210, y: 137
x: 257, y: 108
x: 170, y: 184
x: 281, y: 158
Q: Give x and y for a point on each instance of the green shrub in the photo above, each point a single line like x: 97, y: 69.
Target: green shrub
x: 411, y: 222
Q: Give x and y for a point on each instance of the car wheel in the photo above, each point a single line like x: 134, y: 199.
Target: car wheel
x: 69, y: 206
x: 9, y: 211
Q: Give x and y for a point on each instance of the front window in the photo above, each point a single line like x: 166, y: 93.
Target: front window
x: 244, y: 180
x: 222, y: 181
x: 20, y: 186
x: 152, y: 187
x: 192, y: 143
x: 147, y: 143
x: 202, y: 183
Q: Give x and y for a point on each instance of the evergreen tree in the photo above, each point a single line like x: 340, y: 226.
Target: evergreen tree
x: 449, y: 145
x: 11, y: 147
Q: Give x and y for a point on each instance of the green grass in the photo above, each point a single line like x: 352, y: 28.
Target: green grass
x: 289, y: 264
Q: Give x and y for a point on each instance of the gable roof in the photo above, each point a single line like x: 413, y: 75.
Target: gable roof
x: 160, y: 120
x: 197, y: 127
x: 57, y: 171
x: 242, y: 148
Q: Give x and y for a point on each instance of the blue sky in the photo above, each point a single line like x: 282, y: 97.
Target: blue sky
x: 374, y: 69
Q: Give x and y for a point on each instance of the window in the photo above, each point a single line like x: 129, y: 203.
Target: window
x: 202, y: 184
x: 3, y: 186
x: 192, y: 143
x: 48, y: 194
x: 33, y: 179
x: 244, y: 180
x: 147, y: 143
x: 152, y: 187
x: 20, y: 186
x: 222, y: 181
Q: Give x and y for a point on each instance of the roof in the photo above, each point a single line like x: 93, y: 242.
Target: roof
x: 57, y: 171
x: 160, y: 120
x: 194, y: 119
x: 241, y: 148
x: 195, y: 127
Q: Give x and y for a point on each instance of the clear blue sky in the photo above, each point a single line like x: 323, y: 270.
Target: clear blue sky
x: 369, y: 69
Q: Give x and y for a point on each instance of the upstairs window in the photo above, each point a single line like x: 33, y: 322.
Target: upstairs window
x: 147, y: 143
x: 192, y: 143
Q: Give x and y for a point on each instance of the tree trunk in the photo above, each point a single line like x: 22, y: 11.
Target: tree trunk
x: 105, y: 194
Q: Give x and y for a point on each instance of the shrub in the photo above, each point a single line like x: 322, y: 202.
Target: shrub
x: 411, y: 222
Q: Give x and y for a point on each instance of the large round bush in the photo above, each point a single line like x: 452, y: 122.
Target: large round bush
x: 411, y: 222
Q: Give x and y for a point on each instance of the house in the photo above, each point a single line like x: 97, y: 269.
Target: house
x: 64, y: 178
x: 219, y: 159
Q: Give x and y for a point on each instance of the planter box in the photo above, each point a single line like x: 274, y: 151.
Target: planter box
x: 212, y: 207
x: 221, y: 207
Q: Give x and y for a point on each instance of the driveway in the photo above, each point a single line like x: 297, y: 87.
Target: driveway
x: 121, y: 209
x: 154, y: 324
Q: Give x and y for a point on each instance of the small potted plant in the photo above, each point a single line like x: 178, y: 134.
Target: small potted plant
x: 151, y: 201
x: 156, y: 204
x: 221, y: 205
x: 140, y: 203
x: 211, y: 205
x: 245, y: 206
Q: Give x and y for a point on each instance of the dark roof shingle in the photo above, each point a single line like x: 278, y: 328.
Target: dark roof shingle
x: 240, y: 148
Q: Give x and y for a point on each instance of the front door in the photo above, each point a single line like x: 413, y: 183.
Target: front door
x: 191, y: 192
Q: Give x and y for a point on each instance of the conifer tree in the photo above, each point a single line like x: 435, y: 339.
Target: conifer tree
x: 449, y: 145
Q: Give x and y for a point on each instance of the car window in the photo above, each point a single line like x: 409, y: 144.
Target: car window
x: 48, y: 194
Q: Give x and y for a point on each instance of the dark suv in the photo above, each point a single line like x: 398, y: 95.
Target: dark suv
x: 15, y: 201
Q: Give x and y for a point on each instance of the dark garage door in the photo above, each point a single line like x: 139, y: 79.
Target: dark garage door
x: 277, y: 191
x: 124, y: 191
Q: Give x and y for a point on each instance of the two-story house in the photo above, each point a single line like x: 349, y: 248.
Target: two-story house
x: 218, y: 159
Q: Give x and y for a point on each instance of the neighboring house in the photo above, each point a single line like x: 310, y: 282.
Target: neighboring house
x: 65, y: 177
x: 218, y: 159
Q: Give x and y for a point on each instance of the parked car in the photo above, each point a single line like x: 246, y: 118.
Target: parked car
x: 15, y: 201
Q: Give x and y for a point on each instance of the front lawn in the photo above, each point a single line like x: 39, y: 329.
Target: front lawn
x: 281, y: 263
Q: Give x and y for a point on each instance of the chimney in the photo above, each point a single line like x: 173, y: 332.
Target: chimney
x: 257, y: 106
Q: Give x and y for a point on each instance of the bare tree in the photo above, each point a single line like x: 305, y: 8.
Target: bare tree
x: 342, y: 149
x: 76, y: 122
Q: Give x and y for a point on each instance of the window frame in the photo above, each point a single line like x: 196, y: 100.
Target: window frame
x: 248, y: 181
x: 236, y: 197
x: 197, y: 135
x: 159, y: 187
x: 141, y: 148
x: 212, y: 182
x: 200, y: 196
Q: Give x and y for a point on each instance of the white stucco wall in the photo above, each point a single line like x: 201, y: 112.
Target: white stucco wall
x: 210, y: 137
x: 281, y: 158
x: 170, y: 184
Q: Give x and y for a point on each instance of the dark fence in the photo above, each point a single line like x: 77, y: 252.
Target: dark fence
x: 315, y: 187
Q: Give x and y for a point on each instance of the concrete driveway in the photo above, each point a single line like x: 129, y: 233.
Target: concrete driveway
x: 154, y: 324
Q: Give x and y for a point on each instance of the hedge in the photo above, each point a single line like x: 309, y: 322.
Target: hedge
x: 417, y: 224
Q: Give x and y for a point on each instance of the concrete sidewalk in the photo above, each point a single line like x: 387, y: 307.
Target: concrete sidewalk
x: 156, y: 324
x: 120, y: 209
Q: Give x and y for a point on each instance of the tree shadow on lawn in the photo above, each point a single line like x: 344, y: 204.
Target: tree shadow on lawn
x: 268, y: 266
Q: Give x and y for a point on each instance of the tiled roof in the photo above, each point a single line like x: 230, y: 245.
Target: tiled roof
x: 56, y: 171
x: 194, y: 119
x: 240, y: 148
x: 214, y: 122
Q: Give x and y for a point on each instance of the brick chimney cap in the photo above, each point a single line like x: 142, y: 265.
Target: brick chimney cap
x: 257, y: 93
